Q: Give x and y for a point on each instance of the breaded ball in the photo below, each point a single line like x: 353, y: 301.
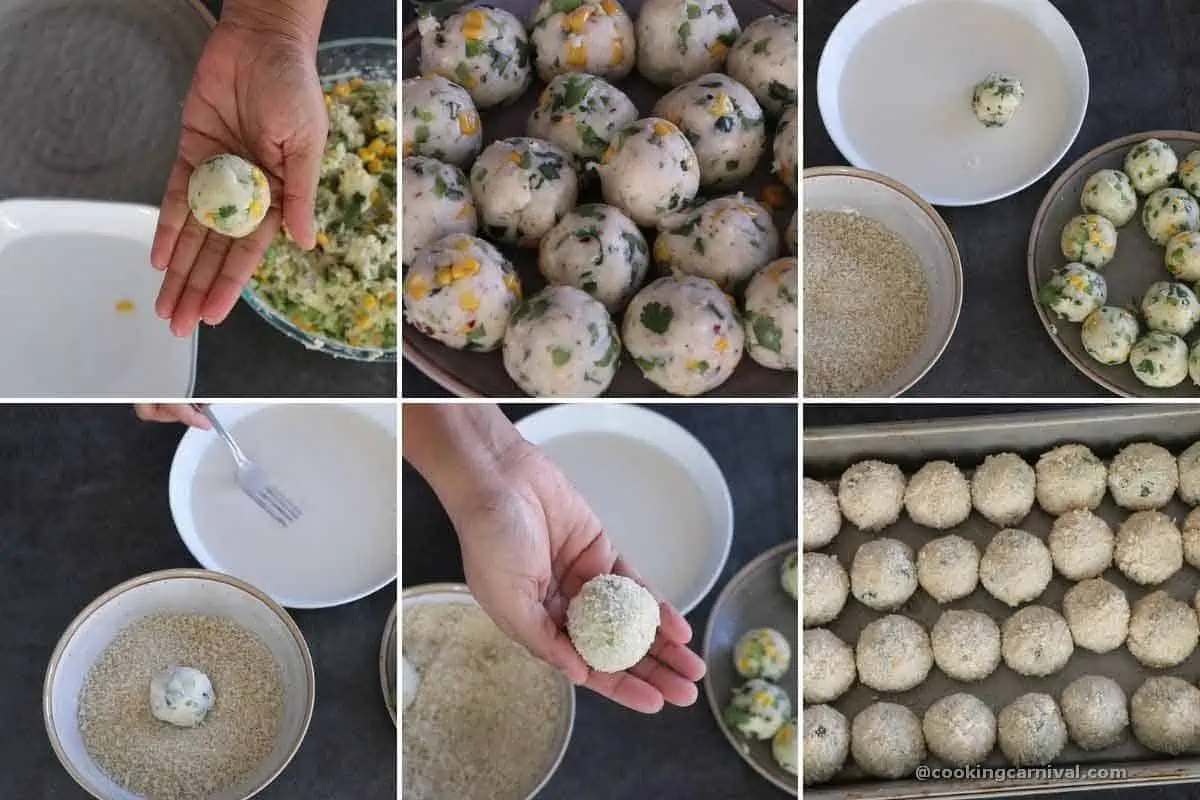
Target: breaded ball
x: 1031, y: 731
x: 1191, y: 538
x: 948, y: 568
x: 826, y: 587
x: 1081, y: 544
x: 886, y: 741
x: 822, y: 517
x: 612, y: 622
x: 1143, y: 476
x: 1003, y: 489
x: 1163, y: 631
x: 893, y: 654
x: 1070, y: 476
x: 1165, y: 715
x: 884, y: 574
x: 871, y: 494
x: 1189, y: 475
x: 938, y: 496
x: 829, y: 669
x: 1094, y: 709
x: 1016, y: 567
x: 826, y: 743
x: 1149, y: 548
x: 1036, y: 641
x: 1098, y: 614
x: 966, y: 645
x: 960, y: 729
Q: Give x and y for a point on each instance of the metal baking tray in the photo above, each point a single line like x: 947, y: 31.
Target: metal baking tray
x: 828, y: 451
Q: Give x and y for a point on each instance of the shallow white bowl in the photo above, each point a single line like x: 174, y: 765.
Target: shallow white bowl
x: 900, y: 209
x: 175, y: 591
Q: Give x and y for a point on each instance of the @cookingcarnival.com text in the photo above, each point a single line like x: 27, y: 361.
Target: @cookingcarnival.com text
x: 1011, y: 774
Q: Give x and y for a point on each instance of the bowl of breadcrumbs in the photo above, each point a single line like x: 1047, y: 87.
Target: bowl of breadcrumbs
x: 126, y: 716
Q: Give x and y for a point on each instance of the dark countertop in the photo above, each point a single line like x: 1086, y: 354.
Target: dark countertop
x: 1144, y: 67
x: 616, y: 754
x: 246, y: 357
x: 86, y: 509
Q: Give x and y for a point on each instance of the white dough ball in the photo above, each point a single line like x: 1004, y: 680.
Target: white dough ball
x: 1031, y: 731
x: 229, y: 195
x: 1074, y: 292
x: 581, y: 114
x: 181, y: 696
x: 1193, y: 364
x: 938, y: 496
x: 996, y: 98
x: 436, y: 203
x: 758, y: 709
x: 829, y: 668
x: 966, y: 645
x: 724, y: 124
x: 871, y: 494
x: 948, y: 568
x: 772, y: 318
x: 1163, y: 631
x: 593, y: 37
x: 649, y: 171
x: 439, y: 120
x: 1070, y: 476
x: 522, y: 188
x: 886, y: 741
x: 765, y: 59
x: 762, y: 653
x: 786, y: 149
x: 484, y: 50
x: 1159, y: 360
x: 893, y: 654
x: 598, y: 249
x: 785, y: 749
x: 678, y: 40
x: 1036, y: 641
x: 1165, y: 715
x: 1109, y: 193
x: 884, y: 574
x: 1182, y: 256
x: 1189, y: 475
x: 410, y: 682
x: 826, y: 743
x: 1081, y: 544
x: 612, y: 622
x: 1098, y: 615
x: 725, y: 240
x: 1094, y: 708
x: 822, y: 516
x: 1168, y: 212
x: 826, y: 587
x: 789, y: 578
x: 1016, y: 567
x: 1189, y: 177
x: 1089, y: 239
x: 960, y: 729
x: 1003, y: 489
x: 791, y: 236
x: 1149, y: 548
x: 1171, y: 308
x: 1151, y: 165
x: 1143, y: 476
x: 1108, y: 335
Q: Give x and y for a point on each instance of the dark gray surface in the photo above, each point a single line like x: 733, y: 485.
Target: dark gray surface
x: 617, y: 754
x: 829, y: 414
x: 1144, y: 68
x: 85, y: 509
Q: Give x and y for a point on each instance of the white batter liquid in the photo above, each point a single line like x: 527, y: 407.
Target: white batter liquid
x: 340, y: 467
x: 905, y: 98
x: 649, y: 505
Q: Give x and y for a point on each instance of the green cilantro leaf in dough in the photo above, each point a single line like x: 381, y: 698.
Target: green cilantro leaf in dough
x: 614, y: 348
x: 767, y: 333
x: 645, y: 364
x: 225, y: 212
x: 656, y: 317
x: 559, y: 356
x: 683, y: 33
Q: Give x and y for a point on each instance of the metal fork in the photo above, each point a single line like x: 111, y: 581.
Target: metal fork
x: 252, y: 480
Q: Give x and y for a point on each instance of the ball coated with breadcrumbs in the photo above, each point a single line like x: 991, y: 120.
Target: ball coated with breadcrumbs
x: 1094, y: 708
x: 826, y: 743
x: 884, y: 574
x: 886, y: 741
x: 829, y: 669
x: 948, y: 568
x: 1081, y: 544
x: 1070, y: 476
x: 1149, y: 548
x: 960, y: 729
x: 1036, y: 641
x: 826, y: 588
x: 1164, y: 713
x: 822, y: 517
x: 938, y: 496
x: 612, y: 622
x: 1016, y: 567
x: 1143, y: 476
x: 1031, y: 730
x: 1098, y: 615
x: 893, y: 654
x: 1003, y: 489
x: 966, y: 645
x: 1163, y: 631
x: 871, y: 494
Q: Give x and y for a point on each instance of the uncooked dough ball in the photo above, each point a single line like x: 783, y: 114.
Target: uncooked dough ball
x: 1189, y: 474
x: 893, y: 654
x: 1151, y: 165
x: 1149, y: 548
x: 758, y: 709
x: 789, y: 578
x: 791, y: 236
x: 1081, y: 544
x: 1098, y: 615
x: 1163, y: 631
x: 484, y: 50
x: 1108, y: 335
x: 786, y: 149
x: 523, y: 187
x: 826, y: 587
x: 1191, y: 538
x: 1016, y: 567
x: 439, y: 120
x: 562, y: 343
x: 461, y: 291
x: 724, y: 123
x: 785, y: 748
x: 229, y: 195
x: 437, y: 202
x: 410, y: 682
x: 1171, y: 308
x: 594, y: 37
x: 822, y: 517
x: 884, y: 574
x: 678, y: 40
x: 1094, y: 709
x: 966, y: 645
x: 598, y: 249
x: 948, y: 568
x: 996, y: 98
x: 1193, y: 364
x: 581, y: 114
x: 1165, y: 715
x: 762, y: 653
x: 1070, y: 476
x: 1189, y: 177
x: 1036, y: 641
x: 886, y: 741
x: 871, y: 494
x: 1169, y: 212
x: 772, y: 318
x: 182, y: 696
x: 938, y: 496
x: 684, y: 335
x: 649, y: 171
x: 1159, y: 360
x: 1089, y: 239
x: 725, y: 240
x: 1002, y: 489
x: 1031, y: 730
x: 1182, y: 256
x: 612, y: 622
x: 1143, y: 476
x: 764, y: 59
x: 826, y: 743
x: 1074, y: 292
x: 1109, y: 193
x: 960, y: 729
x: 829, y: 669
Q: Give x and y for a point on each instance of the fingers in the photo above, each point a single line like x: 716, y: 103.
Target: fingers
x: 301, y: 170
x: 172, y: 216
x: 183, y: 258
x: 627, y: 689
x: 243, y: 259
x: 186, y: 315
x: 679, y: 658
x: 674, y: 688
x: 542, y: 637
x: 171, y: 412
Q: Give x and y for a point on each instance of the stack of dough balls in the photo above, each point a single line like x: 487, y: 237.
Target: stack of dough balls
x: 974, y: 555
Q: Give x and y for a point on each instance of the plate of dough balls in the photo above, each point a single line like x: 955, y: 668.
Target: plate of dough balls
x: 600, y: 198
x: 1114, y: 264
x: 752, y: 680
x: 1018, y: 610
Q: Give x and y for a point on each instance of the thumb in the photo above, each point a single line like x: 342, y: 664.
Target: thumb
x: 542, y: 637
x: 301, y: 170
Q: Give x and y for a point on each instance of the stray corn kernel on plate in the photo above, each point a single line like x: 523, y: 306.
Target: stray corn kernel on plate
x: 547, y: 152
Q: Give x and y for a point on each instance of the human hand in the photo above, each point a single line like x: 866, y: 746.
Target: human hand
x: 171, y: 412
x: 529, y: 544
x: 255, y: 93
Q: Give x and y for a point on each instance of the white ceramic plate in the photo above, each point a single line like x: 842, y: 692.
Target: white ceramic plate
x: 894, y: 90
x: 337, y: 462
x: 658, y: 492
x: 77, y: 304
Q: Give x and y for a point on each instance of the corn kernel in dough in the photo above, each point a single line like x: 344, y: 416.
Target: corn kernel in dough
x: 229, y: 195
